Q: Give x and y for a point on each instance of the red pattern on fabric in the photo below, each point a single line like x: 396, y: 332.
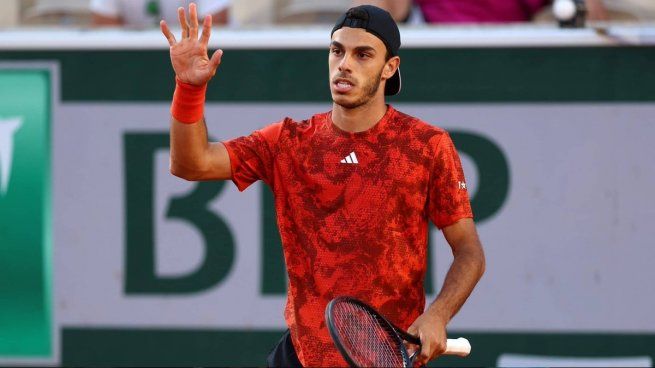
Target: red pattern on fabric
x: 355, y: 230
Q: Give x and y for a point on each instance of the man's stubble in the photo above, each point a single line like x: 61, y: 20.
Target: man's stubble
x: 370, y: 89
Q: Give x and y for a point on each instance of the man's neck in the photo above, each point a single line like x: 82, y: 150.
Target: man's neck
x: 360, y: 118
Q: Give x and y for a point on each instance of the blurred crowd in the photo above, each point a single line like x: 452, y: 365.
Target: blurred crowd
x: 142, y: 14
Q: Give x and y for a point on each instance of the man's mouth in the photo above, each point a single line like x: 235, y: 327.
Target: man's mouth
x: 343, y: 85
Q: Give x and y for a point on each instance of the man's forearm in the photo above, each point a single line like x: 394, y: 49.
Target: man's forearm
x: 188, y: 148
x: 188, y: 130
x: 464, y: 273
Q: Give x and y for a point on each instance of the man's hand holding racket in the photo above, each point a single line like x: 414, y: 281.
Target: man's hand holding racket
x: 189, y: 55
x: 366, y: 339
x: 431, y: 329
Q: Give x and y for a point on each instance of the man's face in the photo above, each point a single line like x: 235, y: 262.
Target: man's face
x: 357, y: 65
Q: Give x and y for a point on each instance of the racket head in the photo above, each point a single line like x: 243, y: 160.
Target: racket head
x: 363, y: 337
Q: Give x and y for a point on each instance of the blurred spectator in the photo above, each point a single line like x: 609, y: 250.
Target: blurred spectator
x: 642, y: 10
x: 400, y: 10
x: 309, y: 11
x: 504, y: 11
x: 54, y: 12
x: 611, y: 10
x: 8, y: 13
x: 596, y: 10
x: 460, y: 11
x: 441, y: 11
x: 480, y: 11
x: 148, y: 13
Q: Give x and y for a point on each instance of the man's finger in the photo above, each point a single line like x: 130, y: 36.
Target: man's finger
x: 167, y: 32
x: 193, y: 20
x: 206, y: 29
x: 422, y: 358
x: 426, y: 352
x: 439, y: 348
x: 181, y: 15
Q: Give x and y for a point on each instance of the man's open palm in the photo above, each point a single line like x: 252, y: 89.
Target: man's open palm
x: 189, y: 55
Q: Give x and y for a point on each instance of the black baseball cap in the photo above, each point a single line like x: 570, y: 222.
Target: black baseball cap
x: 380, y: 23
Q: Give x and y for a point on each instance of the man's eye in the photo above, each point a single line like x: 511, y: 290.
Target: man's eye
x: 364, y: 55
x: 335, y: 51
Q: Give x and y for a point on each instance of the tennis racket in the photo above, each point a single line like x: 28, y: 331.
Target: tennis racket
x: 366, y: 339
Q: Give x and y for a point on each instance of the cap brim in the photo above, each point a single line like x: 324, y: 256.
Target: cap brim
x: 393, y: 84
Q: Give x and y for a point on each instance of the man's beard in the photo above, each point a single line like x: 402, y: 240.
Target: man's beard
x: 370, y: 89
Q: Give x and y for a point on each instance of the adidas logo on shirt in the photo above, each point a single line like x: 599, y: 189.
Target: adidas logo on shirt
x: 350, y: 159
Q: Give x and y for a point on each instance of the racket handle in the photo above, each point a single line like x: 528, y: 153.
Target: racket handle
x: 460, y: 347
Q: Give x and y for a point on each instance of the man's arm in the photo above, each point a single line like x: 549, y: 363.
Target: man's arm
x: 596, y: 10
x: 464, y: 273
x: 192, y: 156
x: 105, y: 13
x: 102, y: 20
x: 221, y: 17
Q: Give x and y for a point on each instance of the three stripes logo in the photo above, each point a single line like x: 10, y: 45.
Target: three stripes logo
x: 350, y: 159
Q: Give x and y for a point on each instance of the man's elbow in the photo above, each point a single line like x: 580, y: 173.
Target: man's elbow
x: 474, y: 257
x: 480, y: 261
x: 482, y: 265
x: 180, y: 173
x: 184, y: 172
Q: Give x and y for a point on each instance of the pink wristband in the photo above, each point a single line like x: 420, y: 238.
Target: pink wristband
x: 188, y: 102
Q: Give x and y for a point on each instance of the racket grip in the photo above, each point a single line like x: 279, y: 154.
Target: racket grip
x: 460, y: 347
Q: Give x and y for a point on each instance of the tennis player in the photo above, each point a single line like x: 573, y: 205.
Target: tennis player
x: 354, y: 188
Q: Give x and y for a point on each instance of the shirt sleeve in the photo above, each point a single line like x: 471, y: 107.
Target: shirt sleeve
x: 252, y: 157
x: 448, y: 199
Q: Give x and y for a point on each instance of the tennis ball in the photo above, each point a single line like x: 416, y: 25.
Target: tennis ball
x: 564, y: 9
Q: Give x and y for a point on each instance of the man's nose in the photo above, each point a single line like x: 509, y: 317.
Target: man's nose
x: 344, y: 64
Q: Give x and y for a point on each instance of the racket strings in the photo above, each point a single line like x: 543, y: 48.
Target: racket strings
x: 369, y: 340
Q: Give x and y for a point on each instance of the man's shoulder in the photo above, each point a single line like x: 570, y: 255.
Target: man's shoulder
x: 293, y: 127
x: 416, y: 126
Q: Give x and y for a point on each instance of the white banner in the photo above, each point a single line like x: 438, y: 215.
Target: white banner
x: 569, y: 250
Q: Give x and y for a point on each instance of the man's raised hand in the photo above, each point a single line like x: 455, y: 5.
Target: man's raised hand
x: 189, y: 55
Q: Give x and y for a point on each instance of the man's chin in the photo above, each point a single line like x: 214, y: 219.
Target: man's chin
x: 347, y: 102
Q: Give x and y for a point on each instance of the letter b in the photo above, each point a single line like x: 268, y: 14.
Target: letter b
x: 140, y: 276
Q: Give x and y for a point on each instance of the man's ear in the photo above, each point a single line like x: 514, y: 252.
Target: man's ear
x: 390, y: 67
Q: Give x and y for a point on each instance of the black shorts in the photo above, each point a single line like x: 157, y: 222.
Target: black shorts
x: 283, y: 354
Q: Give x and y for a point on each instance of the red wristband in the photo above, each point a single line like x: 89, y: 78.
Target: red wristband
x: 188, y: 102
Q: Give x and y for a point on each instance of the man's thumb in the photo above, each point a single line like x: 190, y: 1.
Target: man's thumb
x: 215, y: 61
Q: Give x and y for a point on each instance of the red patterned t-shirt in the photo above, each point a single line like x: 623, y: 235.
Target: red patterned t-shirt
x: 353, y: 210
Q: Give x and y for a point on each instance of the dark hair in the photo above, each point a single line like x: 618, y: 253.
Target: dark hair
x: 357, y: 13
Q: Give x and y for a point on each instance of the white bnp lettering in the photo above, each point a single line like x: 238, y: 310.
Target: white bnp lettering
x: 8, y: 128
